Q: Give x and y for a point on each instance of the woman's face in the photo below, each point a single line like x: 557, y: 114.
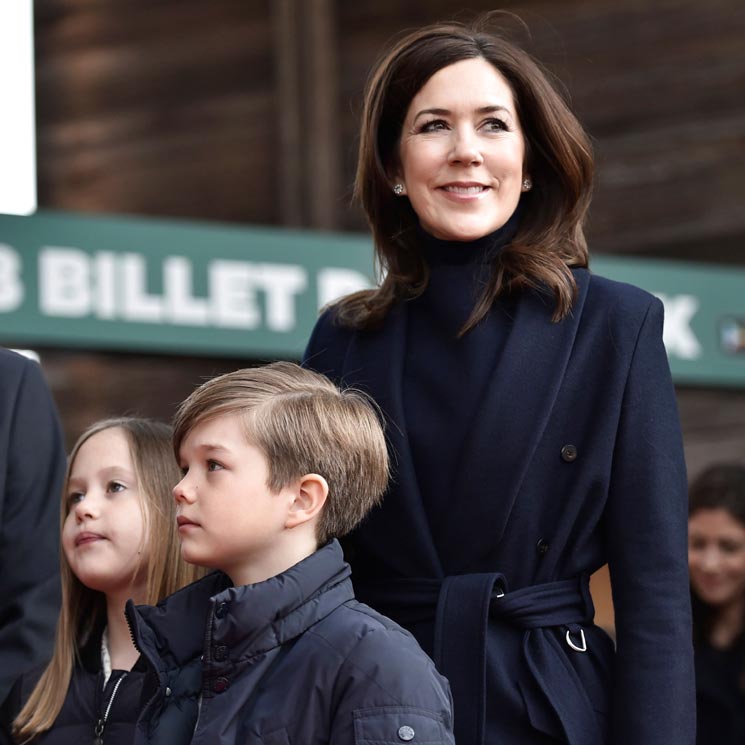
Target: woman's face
x: 103, y: 535
x: 716, y: 556
x: 462, y: 152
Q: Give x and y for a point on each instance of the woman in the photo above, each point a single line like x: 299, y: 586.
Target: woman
x: 532, y: 417
x: 716, y: 557
x: 119, y: 540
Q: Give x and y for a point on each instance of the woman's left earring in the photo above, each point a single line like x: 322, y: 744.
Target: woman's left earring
x: 527, y: 184
x: 398, y: 189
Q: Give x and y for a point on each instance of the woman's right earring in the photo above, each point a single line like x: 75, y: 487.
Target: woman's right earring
x: 398, y: 189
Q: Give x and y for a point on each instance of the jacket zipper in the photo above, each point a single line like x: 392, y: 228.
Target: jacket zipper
x: 131, y: 623
x: 101, y: 723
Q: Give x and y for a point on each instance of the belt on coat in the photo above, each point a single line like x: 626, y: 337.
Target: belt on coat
x: 462, y: 606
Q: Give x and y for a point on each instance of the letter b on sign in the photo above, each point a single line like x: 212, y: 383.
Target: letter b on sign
x: 64, y: 282
x: 11, y: 287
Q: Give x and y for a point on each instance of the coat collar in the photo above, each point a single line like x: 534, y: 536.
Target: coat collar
x: 514, y: 414
x: 250, y: 619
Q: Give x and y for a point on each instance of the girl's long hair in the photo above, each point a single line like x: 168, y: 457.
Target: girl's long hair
x: 549, y: 239
x: 83, y: 610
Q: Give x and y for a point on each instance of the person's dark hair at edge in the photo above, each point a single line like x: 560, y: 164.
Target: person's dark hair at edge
x: 721, y: 486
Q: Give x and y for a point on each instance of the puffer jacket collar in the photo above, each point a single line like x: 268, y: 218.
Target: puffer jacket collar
x: 250, y: 619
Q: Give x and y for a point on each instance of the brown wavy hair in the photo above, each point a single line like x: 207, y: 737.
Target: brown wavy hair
x: 83, y: 610
x: 558, y: 155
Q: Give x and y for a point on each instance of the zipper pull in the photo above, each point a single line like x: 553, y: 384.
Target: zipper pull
x: 98, y: 732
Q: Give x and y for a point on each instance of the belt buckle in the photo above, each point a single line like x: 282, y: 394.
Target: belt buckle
x: 582, y: 647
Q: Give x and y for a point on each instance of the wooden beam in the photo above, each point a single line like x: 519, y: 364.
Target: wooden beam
x: 290, y: 181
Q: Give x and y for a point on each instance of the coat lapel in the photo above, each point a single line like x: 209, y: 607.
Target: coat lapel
x: 511, y: 420
x: 375, y: 363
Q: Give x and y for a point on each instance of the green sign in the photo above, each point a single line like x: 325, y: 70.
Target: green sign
x: 194, y: 288
x: 172, y: 287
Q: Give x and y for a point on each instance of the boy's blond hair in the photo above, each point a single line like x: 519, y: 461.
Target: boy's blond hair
x: 302, y: 423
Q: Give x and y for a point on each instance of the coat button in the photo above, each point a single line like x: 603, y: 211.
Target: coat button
x: 222, y: 610
x: 221, y: 653
x: 168, y: 691
x: 220, y: 685
x: 542, y: 546
x: 569, y: 453
x: 405, y: 733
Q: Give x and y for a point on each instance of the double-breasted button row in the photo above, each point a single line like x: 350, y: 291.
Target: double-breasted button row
x: 569, y: 453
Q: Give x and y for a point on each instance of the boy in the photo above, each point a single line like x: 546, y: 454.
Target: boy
x: 274, y: 649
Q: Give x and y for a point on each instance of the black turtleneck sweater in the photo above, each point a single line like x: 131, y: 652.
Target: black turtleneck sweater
x: 435, y: 356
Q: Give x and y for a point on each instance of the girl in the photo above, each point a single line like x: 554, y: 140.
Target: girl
x: 716, y: 557
x: 119, y: 540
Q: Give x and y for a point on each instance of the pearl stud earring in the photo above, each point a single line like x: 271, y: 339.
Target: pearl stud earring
x: 398, y: 189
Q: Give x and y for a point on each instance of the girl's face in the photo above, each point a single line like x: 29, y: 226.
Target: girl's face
x: 716, y: 556
x: 462, y: 152
x: 103, y: 535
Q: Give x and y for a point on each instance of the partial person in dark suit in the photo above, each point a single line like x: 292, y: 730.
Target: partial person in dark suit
x: 533, y: 421
x: 716, y: 557
x: 32, y: 466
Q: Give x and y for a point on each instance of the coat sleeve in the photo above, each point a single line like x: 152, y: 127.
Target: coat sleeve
x: 8, y: 712
x: 646, y: 523
x: 390, y: 692
x: 32, y: 464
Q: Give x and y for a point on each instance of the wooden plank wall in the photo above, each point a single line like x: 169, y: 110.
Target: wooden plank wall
x: 246, y: 110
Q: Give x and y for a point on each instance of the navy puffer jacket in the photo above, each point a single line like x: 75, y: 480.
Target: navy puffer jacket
x: 292, y: 660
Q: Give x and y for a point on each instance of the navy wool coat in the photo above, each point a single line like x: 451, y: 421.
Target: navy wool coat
x: 574, y: 460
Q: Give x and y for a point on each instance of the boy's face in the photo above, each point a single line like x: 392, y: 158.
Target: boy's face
x: 228, y: 518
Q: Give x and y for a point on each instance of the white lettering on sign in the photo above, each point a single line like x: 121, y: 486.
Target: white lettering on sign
x: 138, y: 304
x: 678, y: 336
x: 109, y: 286
x: 11, y: 286
x: 281, y: 284
x: 181, y: 305
x: 334, y: 283
x: 64, y: 282
x: 234, y: 301
x: 105, y: 291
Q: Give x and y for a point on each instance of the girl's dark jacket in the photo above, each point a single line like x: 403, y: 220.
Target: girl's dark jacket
x: 295, y: 659
x: 88, y: 703
x: 573, y: 459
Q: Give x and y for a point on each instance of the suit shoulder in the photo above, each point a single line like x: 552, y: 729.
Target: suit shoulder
x: 613, y: 292
x: 328, y: 343
x: 624, y: 302
x: 15, y: 364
